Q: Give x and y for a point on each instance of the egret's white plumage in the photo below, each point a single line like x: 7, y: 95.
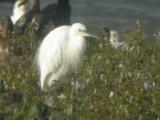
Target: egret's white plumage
x: 19, y: 11
x: 60, y: 53
x: 115, y: 42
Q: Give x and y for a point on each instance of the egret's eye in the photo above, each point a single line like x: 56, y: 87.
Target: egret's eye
x: 81, y: 30
x: 114, y: 35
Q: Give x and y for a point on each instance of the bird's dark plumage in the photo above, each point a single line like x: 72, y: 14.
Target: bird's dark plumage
x: 56, y: 14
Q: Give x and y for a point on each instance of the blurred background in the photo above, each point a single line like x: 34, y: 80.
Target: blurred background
x: 115, y: 14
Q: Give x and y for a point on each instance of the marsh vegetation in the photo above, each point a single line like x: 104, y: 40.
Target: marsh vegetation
x: 112, y: 84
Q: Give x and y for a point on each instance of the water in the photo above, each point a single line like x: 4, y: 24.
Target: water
x: 115, y: 14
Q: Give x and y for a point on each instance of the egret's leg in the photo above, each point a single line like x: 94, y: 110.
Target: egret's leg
x: 44, y: 78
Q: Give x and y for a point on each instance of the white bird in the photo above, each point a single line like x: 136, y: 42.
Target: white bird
x: 60, y: 53
x: 19, y: 10
x: 115, y: 42
x: 157, y: 35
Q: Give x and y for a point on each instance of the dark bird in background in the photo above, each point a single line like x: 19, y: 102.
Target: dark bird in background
x: 22, y: 23
x: 6, y: 32
x: 59, y: 13
x: 52, y: 15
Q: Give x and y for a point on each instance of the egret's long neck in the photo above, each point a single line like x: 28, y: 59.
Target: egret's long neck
x: 76, y: 49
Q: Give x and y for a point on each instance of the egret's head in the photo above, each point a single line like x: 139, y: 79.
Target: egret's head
x: 78, y: 29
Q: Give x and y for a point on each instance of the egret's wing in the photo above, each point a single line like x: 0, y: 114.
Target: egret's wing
x: 51, y: 53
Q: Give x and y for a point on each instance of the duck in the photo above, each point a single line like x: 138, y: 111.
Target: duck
x: 60, y: 13
x: 57, y: 14
x: 8, y: 38
x: 115, y: 42
x: 22, y: 22
x: 19, y: 10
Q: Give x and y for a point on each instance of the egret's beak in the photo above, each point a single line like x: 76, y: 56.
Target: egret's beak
x: 87, y: 34
x: 23, y: 2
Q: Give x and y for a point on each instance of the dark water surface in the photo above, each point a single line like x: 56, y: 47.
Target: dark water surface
x: 115, y: 14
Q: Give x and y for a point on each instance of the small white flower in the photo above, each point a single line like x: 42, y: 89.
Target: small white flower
x: 132, y: 48
x: 101, y: 76
x: 88, y: 80
x: 95, y: 91
x: 157, y: 35
x: 111, y: 94
x: 129, y: 74
x: 77, y: 86
x: 99, y: 57
x: 138, y: 75
x: 145, y: 86
x: 61, y: 96
x: 120, y: 65
x: 153, y: 84
x: 100, y: 46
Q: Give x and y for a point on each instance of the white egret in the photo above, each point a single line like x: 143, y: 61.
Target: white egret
x: 115, y: 42
x: 60, y: 53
